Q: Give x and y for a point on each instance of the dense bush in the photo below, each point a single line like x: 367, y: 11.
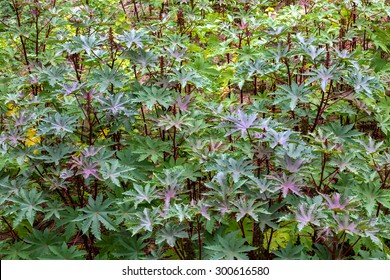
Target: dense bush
x: 195, y: 129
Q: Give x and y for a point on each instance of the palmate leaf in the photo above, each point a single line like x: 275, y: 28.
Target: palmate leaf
x: 10, y: 187
x: 177, y: 121
x: 344, y: 133
x: 16, y: 251
x: 371, y: 194
x: 279, y: 53
x: 133, y: 37
x: 171, y: 233
x: 291, y: 252
x: 279, y: 137
x: 184, y: 77
x: 176, y: 40
x: 53, y: 74
x: 58, y: 124
x: 293, y: 93
x: 363, y: 83
x: 260, y: 67
x: 97, y: 213
x: 297, y: 151
x: 150, y: 96
x: 372, y: 146
x: 53, y: 209
x: 41, y: 240
x: 346, y: 162
x: 248, y: 207
x: 325, y: 75
x: 142, y: 169
x: 229, y: 247
x: 321, y: 252
x: 57, y: 153
x: 176, y: 54
x: 303, y: 41
x: 222, y: 187
x: 68, y: 223
x: 145, y: 220
x: 115, y: 104
x: 287, y: 183
x: 306, y: 216
x: 140, y: 194
x: 85, y: 43
x: 126, y: 212
x: 271, y: 217
x: 26, y: 204
x: 203, y: 67
x: 106, y: 77
x: 383, y: 121
x: 114, y: 171
x: 313, y: 51
x: 151, y: 148
x: 130, y: 247
x: 146, y: 58
x: 242, y: 122
x: 64, y: 252
x: 181, y: 212
x: 238, y: 168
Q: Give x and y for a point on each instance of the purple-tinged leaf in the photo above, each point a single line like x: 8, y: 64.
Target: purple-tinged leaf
x: 334, y: 204
x: 183, y: 103
x: 306, y: 217
x: 287, y: 184
x: 344, y: 224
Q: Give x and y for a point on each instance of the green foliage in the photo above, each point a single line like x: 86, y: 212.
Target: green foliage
x: 214, y: 130
x: 229, y: 247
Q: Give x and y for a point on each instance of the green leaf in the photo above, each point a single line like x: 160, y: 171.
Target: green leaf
x: 114, y: 171
x: 85, y: 43
x: 140, y: 194
x: 171, y: 233
x: 150, y: 96
x: 324, y: 74
x: 151, y: 148
x: 130, y: 247
x: 26, y: 205
x: 56, y: 153
x: 180, y: 211
x: 59, y: 124
x: 370, y: 193
x: 96, y: 213
x: 15, y: 251
x: 64, y: 252
x: 293, y: 93
x: 145, y: 220
x: 10, y: 187
x: 291, y: 252
x: 343, y: 132
x: 146, y: 58
x: 106, y: 77
x: 230, y: 247
x: 41, y: 241
x: 133, y: 37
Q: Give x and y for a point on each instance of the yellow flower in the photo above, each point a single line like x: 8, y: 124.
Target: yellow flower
x: 32, y: 138
x: 12, y: 109
x: 104, y: 133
